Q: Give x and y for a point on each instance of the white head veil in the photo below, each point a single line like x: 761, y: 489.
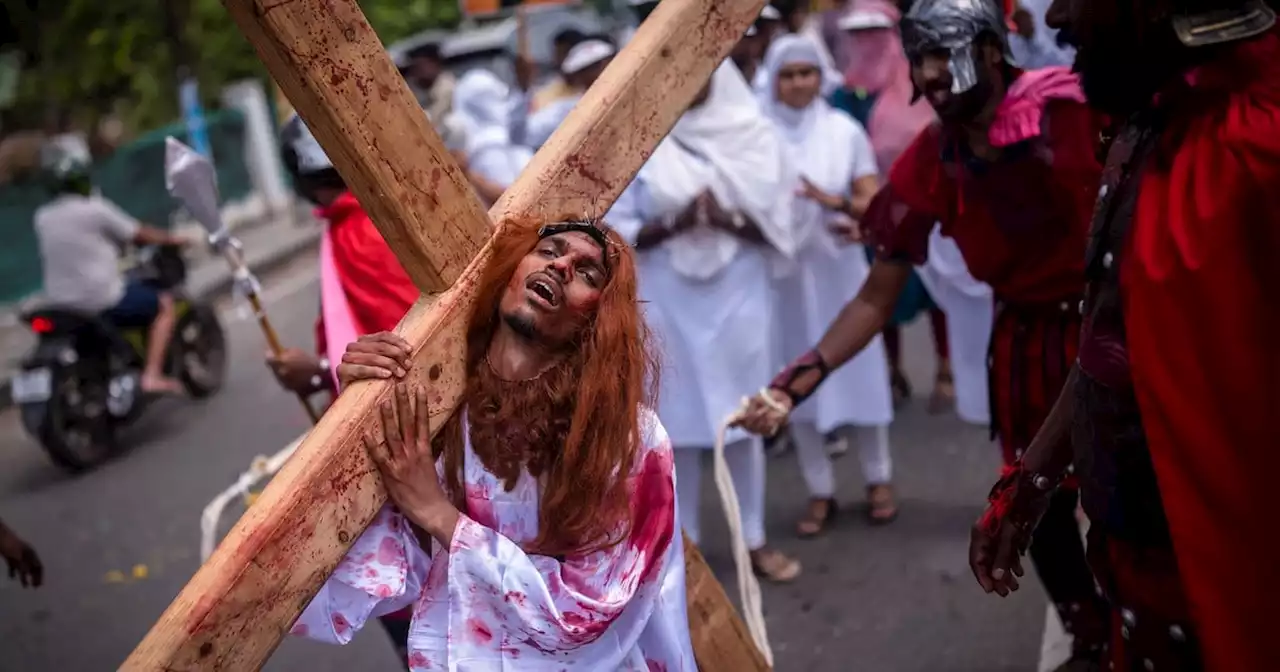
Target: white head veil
x: 787, y: 50
x: 726, y: 146
x: 832, y: 79
x: 819, y: 141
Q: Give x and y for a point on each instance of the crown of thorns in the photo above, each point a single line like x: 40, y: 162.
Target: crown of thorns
x: 592, y: 228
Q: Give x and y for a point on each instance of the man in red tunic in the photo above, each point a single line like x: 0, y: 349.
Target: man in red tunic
x: 1172, y: 409
x: 1011, y: 174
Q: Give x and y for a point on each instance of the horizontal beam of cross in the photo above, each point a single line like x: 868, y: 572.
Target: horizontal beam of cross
x: 326, y: 58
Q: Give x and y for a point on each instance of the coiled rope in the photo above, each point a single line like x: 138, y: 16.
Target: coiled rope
x: 748, y: 586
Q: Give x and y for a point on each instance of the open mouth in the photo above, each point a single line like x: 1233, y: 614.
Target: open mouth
x: 938, y: 95
x: 545, y: 289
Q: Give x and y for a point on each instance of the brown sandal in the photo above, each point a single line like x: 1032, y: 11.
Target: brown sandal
x: 881, y: 509
x: 772, y: 565
x: 820, y: 513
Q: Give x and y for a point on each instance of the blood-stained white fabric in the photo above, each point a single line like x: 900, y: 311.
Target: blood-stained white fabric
x: 486, y: 604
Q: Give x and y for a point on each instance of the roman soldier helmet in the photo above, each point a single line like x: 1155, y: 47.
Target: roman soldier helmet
x: 953, y: 25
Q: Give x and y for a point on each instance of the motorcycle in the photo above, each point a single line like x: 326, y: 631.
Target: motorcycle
x: 82, y: 381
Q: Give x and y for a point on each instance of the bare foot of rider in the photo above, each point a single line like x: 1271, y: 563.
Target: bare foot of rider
x: 157, y: 384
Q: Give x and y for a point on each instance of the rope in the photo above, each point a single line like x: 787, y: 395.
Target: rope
x: 261, y: 468
x: 748, y: 586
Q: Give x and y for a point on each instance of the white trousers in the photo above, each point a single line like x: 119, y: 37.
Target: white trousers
x: 815, y: 462
x: 746, y: 466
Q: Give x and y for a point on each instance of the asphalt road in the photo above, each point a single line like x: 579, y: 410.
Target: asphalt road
x: 120, y: 542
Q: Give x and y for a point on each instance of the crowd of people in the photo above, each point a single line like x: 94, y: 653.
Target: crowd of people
x: 840, y: 173
x: 1093, y: 245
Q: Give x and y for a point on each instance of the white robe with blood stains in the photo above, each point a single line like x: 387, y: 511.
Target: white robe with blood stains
x: 486, y: 604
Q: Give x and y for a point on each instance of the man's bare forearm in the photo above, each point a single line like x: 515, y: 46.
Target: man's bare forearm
x: 864, y: 316
x: 859, y: 322
x: 1050, y: 451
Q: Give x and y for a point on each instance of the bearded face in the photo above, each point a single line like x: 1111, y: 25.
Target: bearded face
x: 931, y: 73
x: 1117, y: 50
x: 555, y: 290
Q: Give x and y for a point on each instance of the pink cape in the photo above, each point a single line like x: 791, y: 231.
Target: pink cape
x: 339, y: 322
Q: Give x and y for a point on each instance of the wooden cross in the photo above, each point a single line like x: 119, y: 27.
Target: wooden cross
x: 329, y: 62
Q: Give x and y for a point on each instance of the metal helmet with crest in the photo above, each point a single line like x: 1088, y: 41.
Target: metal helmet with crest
x: 953, y: 26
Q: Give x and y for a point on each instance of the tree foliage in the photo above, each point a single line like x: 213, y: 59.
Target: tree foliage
x: 85, y: 59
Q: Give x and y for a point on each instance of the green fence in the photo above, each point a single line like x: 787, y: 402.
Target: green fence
x: 133, y: 177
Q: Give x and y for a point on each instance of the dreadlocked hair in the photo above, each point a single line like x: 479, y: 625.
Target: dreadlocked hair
x: 576, y: 428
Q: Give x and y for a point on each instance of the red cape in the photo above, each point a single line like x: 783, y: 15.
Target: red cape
x: 377, y: 287
x: 1202, y: 311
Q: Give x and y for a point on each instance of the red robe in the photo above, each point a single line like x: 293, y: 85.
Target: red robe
x: 1201, y: 291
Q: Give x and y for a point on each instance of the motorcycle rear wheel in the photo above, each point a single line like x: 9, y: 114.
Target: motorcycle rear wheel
x: 77, y: 431
x: 202, y: 351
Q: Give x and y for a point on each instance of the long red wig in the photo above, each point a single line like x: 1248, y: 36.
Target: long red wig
x: 584, y: 503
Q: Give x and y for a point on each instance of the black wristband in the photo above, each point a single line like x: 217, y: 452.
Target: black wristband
x: 808, y: 362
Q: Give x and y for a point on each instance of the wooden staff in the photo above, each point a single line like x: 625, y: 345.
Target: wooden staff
x: 190, y: 178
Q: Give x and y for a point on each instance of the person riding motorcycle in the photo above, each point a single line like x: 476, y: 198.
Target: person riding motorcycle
x: 80, y: 236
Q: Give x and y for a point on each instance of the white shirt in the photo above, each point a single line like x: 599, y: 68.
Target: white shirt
x: 80, y: 239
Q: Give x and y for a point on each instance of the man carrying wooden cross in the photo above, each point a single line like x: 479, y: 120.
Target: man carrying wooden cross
x: 270, y: 566
x: 553, y: 538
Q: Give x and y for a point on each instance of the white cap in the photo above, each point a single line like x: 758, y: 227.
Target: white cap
x: 863, y: 20
x: 586, y: 54
x: 769, y: 13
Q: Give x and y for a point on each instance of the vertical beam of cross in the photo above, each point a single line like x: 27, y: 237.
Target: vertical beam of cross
x: 326, y: 58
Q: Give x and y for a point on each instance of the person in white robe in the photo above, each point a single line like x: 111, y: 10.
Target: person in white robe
x: 581, y: 68
x: 839, y: 177
x: 485, y: 108
x: 710, y: 213
x: 970, y: 309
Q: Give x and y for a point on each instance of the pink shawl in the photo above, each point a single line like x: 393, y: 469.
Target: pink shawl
x: 339, y: 322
